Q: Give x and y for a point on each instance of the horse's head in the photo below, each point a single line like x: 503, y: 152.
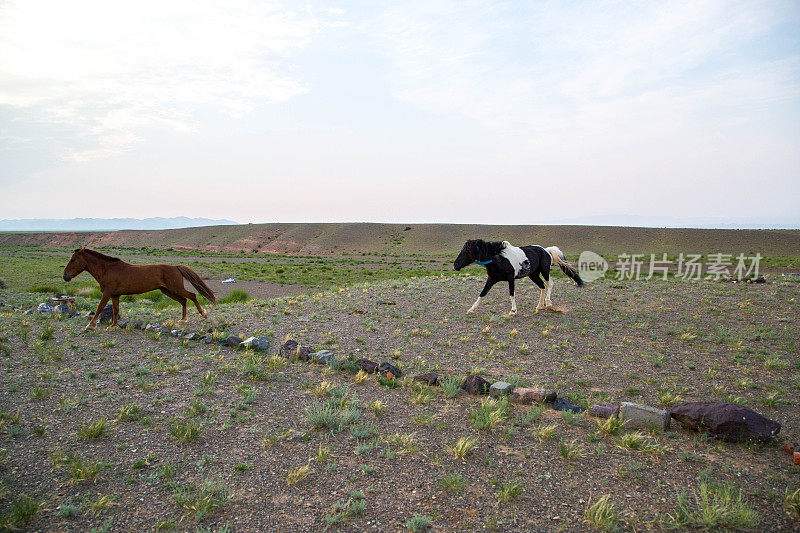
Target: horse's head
x: 469, y: 254
x: 76, y: 265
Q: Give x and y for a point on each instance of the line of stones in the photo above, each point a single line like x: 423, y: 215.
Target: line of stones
x: 635, y: 415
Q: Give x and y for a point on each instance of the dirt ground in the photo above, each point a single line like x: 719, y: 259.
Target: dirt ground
x: 656, y: 343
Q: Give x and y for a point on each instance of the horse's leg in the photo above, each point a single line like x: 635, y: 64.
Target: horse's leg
x: 484, y: 292
x: 180, y: 299
x: 180, y: 291
x: 513, y: 299
x: 193, y: 297
x: 103, y: 301
x: 538, y: 281
x: 115, y: 309
x: 548, y: 302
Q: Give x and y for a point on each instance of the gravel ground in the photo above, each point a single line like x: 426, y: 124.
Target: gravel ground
x: 648, y: 342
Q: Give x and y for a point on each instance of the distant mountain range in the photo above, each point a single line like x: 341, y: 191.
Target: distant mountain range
x: 637, y: 221
x: 108, y: 224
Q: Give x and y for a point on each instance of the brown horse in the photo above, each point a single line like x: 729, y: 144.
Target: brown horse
x: 116, y: 277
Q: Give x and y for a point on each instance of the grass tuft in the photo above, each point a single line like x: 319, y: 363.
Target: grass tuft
x: 713, y: 506
x: 462, y: 447
x: 92, y: 430
x: 185, y: 430
x: 418, y: 523
x: 297, y: 474
x: 602, y: 514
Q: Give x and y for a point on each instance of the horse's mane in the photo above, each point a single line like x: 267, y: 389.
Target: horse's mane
x: 99, y: 255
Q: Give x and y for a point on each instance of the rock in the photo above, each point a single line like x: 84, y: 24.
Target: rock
x: 500, y: 388
x: 136, y: 324
x: 259, y: 344
x: 759, y: 279
x: 176, y: 332
x: 232, y: 341
x: 207, y: 339
x: 788, y: 447
x: 370, y: 367
x: 303, y: 353
x: 796, y: 458
x: 221, y: 342
x: 387, y: 368
x: 62, y: 309
x: 324, y: 357
x: 528, y: 396
x: 643, y: 416
x: 604, y: 410
x: 288, y: 348
x: 429, y: 378
x: 191, y: 336
x: 122, y: 323
x: 106, y: 314
x: 563, y: 404
x: 44, y: 307
x: 476, y: 385
x: 151, y: 327
x: 729, y: 421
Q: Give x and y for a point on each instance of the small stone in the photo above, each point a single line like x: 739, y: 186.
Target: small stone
x: 500, y: 388
x: 122, y: 323
x: 797, y: 458
x: 106, y: 314
x: 207, y: 339
x: 136, y: 324
x: 644, y: 416
x: 233, y: 341
x: 387, y: 368
x: 288, y: 348
x: 563, y: 404
x: 788, y: 447
x: 528, y: 396
x: 191, y: 336
x: 324, y: 357
x: 44, y: 307
x: 176, y: 332
x: 63, y: 309
x: 259, y: 344
x: 475, y: 385
x: 430, y: 378
x: 370, y: 367
x: 303, y: 353
x: 604, y: 410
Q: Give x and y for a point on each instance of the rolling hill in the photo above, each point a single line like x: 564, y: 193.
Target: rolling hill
x: 420, y: 239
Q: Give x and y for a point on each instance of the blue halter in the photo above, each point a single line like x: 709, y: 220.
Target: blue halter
x: 482, y: 262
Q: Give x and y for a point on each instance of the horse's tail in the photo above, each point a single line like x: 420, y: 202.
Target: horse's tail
x: 197, y: 283
x: 561, y: 261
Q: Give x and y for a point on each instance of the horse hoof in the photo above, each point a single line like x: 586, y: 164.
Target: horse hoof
x: 512, y: 313
x: 470, y: 311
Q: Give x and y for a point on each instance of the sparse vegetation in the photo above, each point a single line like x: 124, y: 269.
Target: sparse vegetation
x: 288, y: 418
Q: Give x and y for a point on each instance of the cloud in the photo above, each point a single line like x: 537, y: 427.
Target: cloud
x: 597, y: 74
x: 110, y: 69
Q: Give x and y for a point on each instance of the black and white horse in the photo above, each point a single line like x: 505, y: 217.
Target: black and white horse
x: 504, y: 262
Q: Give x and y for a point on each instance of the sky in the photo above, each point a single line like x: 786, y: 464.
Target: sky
x: 404, y: 111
